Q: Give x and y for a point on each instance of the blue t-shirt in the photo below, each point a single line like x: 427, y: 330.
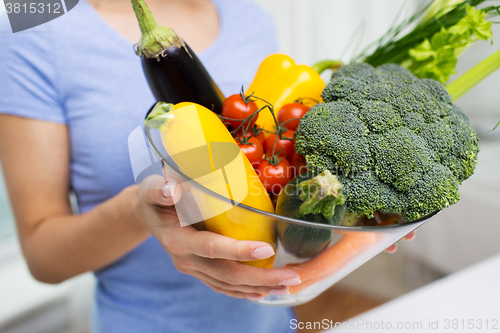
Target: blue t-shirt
x: 78, y: 71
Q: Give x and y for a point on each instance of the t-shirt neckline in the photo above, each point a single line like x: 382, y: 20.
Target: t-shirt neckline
x: 124, y: 42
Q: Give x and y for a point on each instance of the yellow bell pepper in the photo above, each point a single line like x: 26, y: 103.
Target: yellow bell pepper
x: 204, y: 150
x: 280, y: 81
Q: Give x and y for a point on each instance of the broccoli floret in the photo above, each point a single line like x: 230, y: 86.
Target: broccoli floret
x: 439, y: 138
x: 413, y: 121
x: 397, y: 142
x: 435, y: 190
x: 379, y: 116
x: 396, y: 70
x: 387, y: 199
x: 392, y: 84
x: 347, y: 148
x: 463, y: 153
x: 401, y: 157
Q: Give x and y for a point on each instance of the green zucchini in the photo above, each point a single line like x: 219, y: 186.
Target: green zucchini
x: 314, y: 198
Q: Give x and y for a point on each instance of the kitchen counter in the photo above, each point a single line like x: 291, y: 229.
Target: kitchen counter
x: 466, y: 301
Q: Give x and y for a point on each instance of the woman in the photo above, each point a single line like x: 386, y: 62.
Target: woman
x: 71, y: 91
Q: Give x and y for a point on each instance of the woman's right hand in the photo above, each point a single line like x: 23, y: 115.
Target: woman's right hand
x: 210, y: 257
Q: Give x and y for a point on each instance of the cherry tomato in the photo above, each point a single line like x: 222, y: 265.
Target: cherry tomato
x: 253, y: 151
x: 236, y: 108
x: 299, y: 164
x: 286, y: 145
x: 274, y: 177
x: 292, y: 111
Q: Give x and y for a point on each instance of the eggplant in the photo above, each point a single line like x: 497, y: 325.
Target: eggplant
x: 313, y: 198
x: 173, y: 71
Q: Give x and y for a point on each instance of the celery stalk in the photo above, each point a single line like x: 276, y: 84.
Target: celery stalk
x: 474, y: 75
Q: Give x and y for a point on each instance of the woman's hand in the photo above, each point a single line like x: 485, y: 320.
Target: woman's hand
x: 210, y: 257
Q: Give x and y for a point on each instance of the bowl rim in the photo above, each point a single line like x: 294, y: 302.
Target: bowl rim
x: 424, y: 218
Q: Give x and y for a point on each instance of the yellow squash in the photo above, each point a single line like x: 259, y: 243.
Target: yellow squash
x: 204, y: 150
x: 280, y: 81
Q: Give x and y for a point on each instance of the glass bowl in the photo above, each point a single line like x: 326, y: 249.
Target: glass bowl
x: 338, y: 252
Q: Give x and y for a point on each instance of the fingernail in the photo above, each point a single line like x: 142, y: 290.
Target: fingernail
x: 290, y: 282
x: 280, y: 291
x: 410, y: 237
x: 168, y: 189
x: 263, y: 252
x: 391, y: 249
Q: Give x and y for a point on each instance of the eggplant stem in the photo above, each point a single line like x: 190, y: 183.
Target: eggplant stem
x: 146, y: 20
x: 155, y: 39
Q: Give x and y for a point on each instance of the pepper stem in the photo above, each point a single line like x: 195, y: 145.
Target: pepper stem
x: 320, y: 195
x: 154, y: 39
x: 322, y: 66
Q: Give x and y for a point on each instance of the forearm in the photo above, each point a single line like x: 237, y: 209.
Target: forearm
x: 60, y: 247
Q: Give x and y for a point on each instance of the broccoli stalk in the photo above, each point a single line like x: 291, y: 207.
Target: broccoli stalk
x: 320, y: 195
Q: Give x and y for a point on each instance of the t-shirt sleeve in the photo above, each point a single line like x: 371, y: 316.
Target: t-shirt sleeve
x: 28, y: 84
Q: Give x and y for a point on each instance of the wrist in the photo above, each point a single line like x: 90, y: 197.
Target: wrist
x: 130, y: 209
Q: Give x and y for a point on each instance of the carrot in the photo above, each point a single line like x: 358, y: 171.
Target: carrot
x: 330, y: 260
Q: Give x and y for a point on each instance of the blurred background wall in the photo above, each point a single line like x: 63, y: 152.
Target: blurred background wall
x: 312, y: 30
